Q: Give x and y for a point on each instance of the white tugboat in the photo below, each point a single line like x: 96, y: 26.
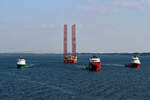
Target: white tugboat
x: 135, y: 63
x: 94, y: 64
x: 21, y: 63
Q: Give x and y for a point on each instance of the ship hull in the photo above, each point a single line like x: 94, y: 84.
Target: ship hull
x: 20, y: 66
x: 94, y: 66
x: 133, y: 65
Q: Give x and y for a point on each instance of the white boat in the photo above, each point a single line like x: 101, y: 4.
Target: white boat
x: 21, y: 63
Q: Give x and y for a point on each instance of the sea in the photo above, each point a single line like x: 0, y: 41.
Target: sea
x: 46, y: 77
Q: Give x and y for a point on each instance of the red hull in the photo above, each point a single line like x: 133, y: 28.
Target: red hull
x: 94, y: 66
x: 133, y: 65
x: 70, y: 61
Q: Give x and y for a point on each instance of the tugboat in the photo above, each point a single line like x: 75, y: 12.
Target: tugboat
x: 135, y: 63
x: 94, y: 64
x: 21, y: 63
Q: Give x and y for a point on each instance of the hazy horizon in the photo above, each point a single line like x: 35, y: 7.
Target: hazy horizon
x: 113, y: 26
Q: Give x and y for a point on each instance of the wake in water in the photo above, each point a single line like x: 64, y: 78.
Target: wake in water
x: 120, y: 65
x: 82, y: 66
x: 30, y: 65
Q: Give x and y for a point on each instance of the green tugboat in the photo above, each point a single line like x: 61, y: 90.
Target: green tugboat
x: 21, y: 63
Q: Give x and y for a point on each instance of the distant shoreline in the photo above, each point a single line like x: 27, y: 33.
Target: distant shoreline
x: 18, y: 53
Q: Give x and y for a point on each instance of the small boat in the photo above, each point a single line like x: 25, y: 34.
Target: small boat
x: 21, y: 63
x: 135, y: 63
x: 94, y: 64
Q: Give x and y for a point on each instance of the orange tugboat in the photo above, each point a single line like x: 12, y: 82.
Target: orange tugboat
x: 94, y: 64
x: 135, y: 63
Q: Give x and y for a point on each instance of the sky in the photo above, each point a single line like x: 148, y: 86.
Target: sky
x: 103, y: 26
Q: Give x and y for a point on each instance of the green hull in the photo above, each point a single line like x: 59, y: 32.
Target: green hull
x: 21, y: 66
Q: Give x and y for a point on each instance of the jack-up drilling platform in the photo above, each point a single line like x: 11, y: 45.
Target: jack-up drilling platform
x: 70, y: 58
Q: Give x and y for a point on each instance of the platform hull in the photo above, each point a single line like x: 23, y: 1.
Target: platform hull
x: 70, y: 61
x: 94, y: 66
x: 133, y: 65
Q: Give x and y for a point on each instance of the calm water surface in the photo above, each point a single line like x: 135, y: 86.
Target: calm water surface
x: 48, y: 78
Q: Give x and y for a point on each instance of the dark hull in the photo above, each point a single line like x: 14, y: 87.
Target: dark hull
x: 133, y: 65
x: 21, y: 66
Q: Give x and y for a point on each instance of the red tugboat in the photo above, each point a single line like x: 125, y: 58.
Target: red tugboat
x: 94, y: 64
x: 135, y: 63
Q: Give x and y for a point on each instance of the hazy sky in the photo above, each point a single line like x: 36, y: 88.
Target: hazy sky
x: 102, y: 25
